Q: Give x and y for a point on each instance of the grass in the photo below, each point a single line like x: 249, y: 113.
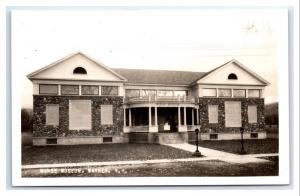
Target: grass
x: 259, y: 146
x: 199, y: 168
x: 99, y: 153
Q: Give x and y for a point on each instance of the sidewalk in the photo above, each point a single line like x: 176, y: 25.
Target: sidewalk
x: 223, y: 156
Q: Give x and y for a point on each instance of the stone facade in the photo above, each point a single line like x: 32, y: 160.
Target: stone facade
x: 219, y: 127
x: 40, y: 129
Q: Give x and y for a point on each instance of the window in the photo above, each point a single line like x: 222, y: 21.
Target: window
x: 232, y: 76
x: 224, y: 92
x: 253, y: 135
x: 109, y: 90
x: 239, y: 93
x: 252, y: 113
x: 180, y: 93
x: 164, y: 93
x: 51, y: 141
x: 146, y: 93
x: 213, y: 136
x: 79, y: 70
x: 233, y: 115
x: 209, y: 92
x: 132, y: 93
x: 89, y: 90
x: 51, y: 89
x: 69, y: 89
x: 80, y: 114
x: 213, y: 113
x: 106, y: 115
x: 253, y: 93
x: 107, y: 139
x: 52, y: 114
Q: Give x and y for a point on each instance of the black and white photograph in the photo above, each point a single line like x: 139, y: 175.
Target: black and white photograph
x: 119, y: 95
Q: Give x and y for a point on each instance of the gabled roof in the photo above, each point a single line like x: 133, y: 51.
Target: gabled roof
x: 33, y: 74
x: 236, y: 62
x: 142, y: 76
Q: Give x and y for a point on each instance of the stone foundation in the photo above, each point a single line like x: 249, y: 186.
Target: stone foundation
x: 226, y: 136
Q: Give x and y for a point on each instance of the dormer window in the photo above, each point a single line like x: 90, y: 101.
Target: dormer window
x: 232, y: 76
x: 79, y: 70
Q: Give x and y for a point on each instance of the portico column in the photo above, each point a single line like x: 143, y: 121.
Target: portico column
x: 150, y: 116
x: 193, y: 116
x: 130, y: 117
x: 155, y: 119
x: 184, y: 115
x: 124, y: 117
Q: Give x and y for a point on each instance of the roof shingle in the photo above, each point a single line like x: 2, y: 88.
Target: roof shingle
x: 142, y: 76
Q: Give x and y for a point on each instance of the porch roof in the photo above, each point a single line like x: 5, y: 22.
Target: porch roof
x: 142, y: 76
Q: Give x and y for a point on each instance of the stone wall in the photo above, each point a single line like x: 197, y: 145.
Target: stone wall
x: 220, y: 126
x: 42, y: 130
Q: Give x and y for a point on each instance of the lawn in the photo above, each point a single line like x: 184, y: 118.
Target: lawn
x: 184, y: 169
x: 99, y: 153
x: 234, y: 146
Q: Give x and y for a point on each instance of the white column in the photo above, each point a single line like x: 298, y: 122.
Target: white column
x: 59, y: 89
x: 124, y: 117
x: 130, y: 117
x: 155, y: 116
x: 150, y: 117
x: 184, y: 115
x: 193, y: 116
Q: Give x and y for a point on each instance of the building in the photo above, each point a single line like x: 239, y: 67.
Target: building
x: 78, y: 100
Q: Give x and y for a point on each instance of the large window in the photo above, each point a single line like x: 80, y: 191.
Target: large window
x: 224, y: 92
x: 52, y: 114
x: 213, y: 113
x: 252, y: 114
x: 146, y: 93
x: 164, y: 93
x: 89, y: 90
x: 69, y: 89
x: 233, y: 115
x: 239, y: 93
x: 109, y: 90
x: 51, y: 89
x: 254, y: 93
x: 106, y: 114
x: 132, y: 92
x: 180, y: 93
x: 80, y: 115
x: 209, y: 92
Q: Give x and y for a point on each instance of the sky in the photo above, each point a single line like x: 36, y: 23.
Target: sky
x: 187, y: 39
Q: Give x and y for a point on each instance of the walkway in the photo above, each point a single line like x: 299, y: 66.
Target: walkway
x: 223, y: 156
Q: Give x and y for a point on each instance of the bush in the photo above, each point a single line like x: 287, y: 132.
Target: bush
x: 26, y: 120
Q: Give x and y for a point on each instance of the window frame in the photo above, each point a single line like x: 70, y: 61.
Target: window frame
x: 88, y: 127
x: 210, y: 89
x: 62, y: 85
x: 231, y: 93
x: 48, y: 93
x: 103, y: 86
x: 46, y: 114
x: 82, y: 86
x: 102, y: 112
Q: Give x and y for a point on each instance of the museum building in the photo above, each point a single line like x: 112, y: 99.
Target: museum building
x: 78, y: 100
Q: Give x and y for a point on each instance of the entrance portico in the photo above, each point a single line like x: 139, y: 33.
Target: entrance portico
x: 163, y: 115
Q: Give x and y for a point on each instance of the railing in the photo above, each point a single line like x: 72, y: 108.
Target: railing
x: 184, y: 99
